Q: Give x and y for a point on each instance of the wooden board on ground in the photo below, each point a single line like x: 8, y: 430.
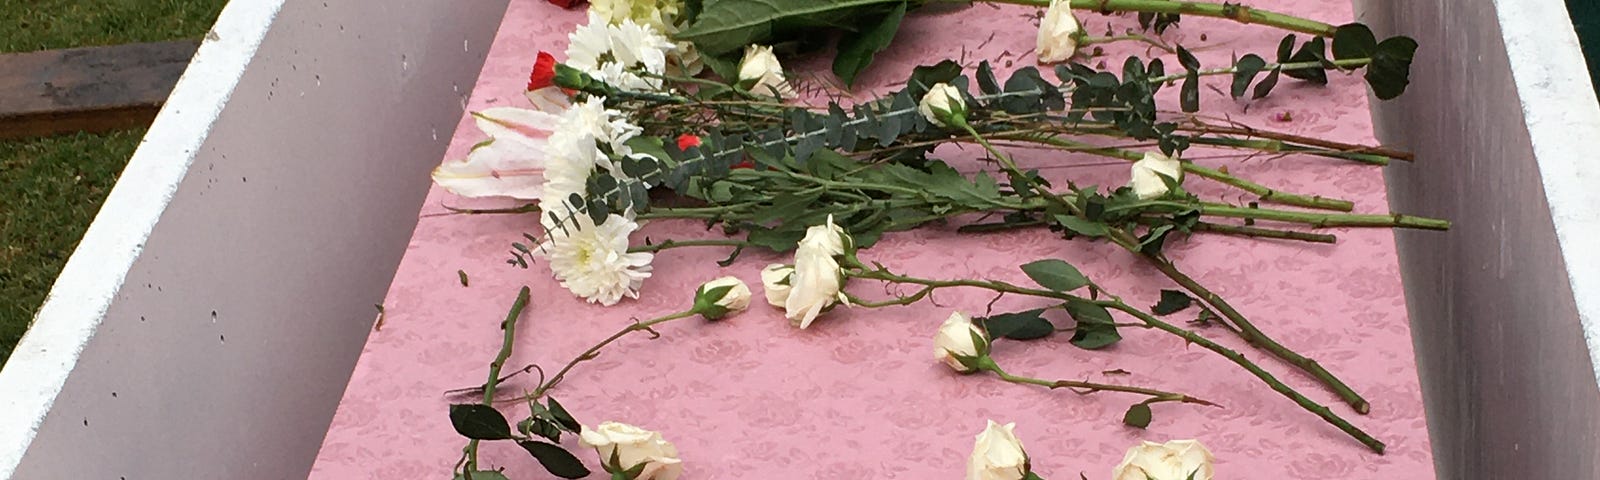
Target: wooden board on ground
x: 91, y: 89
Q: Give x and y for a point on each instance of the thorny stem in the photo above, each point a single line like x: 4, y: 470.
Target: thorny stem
x: 1345, y: 63
x: 510, y: 327
x: 1113, y: 302
x: 1238, y: 13
x: 1085, y: 388
x: 666, y: 244
x: 1250, y: 333
x: 594, y: 351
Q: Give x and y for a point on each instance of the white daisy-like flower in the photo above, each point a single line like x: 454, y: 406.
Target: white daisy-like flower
x: 593, y: 261
x: 618, y: 53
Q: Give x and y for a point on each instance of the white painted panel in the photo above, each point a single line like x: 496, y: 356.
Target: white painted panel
x: 1504, y: 306
x: 207, y: 324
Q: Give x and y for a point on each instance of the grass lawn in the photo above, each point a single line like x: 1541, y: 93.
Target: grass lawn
x: 50, y: 188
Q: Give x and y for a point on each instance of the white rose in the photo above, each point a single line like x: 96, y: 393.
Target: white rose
x: 959, y: 343
x: 826, y: 237
x: 998, y: 455
x: 941, y: 102
x: 814, y: 286
x: 1173, y: 460
x: 1147, y: 173
x: 633, y: 446
x: 761, y: 73
x: 775, y: 280
x: 735, y: 299
x: 1059, y: 33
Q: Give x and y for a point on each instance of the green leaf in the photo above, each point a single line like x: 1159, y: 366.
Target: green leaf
x: 1353, y: 41
x: 1172, y: 301
x: 1266, y: 84
x: 856, y: 51
x: 479, y: 422
x: 1390, y: 71
x: 926, y: 76
x: 987, y: 83
x: 556, y: 460
x: 1187, y: 59
x: 787, y: 205
x: 1055, y: 275
x: 1138, y: 416
x: 482, y: 475
x: 728, y: 25
x: 1189, y: 94
x: 1286, y: 48
x: 1087, y: 228
x: 1312, y: 51
x: 1027, y: 325
x: 561, y: 416
x: 1095, y: 329
x: 1245, y: 71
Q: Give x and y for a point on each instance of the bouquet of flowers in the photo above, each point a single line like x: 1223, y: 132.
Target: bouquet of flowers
x: 681, y: 110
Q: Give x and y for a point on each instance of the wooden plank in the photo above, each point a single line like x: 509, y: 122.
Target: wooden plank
x: 90, y: 89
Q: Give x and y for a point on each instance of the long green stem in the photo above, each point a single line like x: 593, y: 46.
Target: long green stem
x: 1238, y: 13
x: 1085, y: 388
x: 1346, y: 63
x: 594, y: 351
x: 1116, y: 303
x: 510, y: 328
x: 1323, y: 220
x: 666, y: 244
x: 1262, y: 192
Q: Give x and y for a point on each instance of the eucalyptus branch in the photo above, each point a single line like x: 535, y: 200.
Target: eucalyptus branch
x: 1113, y: 302
x: 666, y: 244
x: 470, y: 453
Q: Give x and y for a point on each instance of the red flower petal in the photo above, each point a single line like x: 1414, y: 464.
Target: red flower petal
x: 544, y: 72
x: 565, y: 3
x: 688, y: 140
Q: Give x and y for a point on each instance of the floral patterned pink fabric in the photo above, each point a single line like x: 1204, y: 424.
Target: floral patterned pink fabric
x: 859, y: 395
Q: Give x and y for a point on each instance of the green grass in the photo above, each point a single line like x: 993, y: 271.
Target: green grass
x: 50, y: 188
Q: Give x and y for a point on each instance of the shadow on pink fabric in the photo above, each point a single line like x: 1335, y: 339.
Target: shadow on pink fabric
x: 859, y: 395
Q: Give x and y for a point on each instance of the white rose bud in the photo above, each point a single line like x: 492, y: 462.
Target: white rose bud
x: 761, y: 73
x: 1174, y: 460
x: 775, y: 280
x: 815, y: 286
x: 960, y: 344
x: 1147, y: 172
x: 1059, y: 33
x: 942, y: 102
x: 623, y: 447
x: 998, y: 455
x: 721, y: 297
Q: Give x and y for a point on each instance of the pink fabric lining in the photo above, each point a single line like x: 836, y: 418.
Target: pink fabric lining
x: 859, y: 395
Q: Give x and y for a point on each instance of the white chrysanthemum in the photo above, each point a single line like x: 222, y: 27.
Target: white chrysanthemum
x: 593, y: 260
x: 659, y: 14
x: 619, y: 54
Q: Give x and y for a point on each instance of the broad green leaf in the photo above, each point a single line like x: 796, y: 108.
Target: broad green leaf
x: 1172, y: 301
x: 1055, y: 275
x: 1138, y: 416
x: 856, y: 50
x: 561, y: 416
x: 1095, y: 329
x: 1390, y: 71
x: 1353, y: 41
x: 1245, y: 71
x: 1083, y: 227
x: 787, y: 205
x: 728, y: 25
x: 479, y: 422
x: 558, y: 461
x: 1027, y: 325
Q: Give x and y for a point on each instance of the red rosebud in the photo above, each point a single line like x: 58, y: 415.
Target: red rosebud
x: 688, y: 140
x: 544, y: 72
x: 566, y: 3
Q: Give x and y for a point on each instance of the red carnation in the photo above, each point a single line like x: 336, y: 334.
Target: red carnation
x: 688, y: 140
x: 544, y: 72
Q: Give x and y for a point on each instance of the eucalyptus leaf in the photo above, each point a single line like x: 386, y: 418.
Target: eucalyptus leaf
x: 1265, y: 85
x: 1189, y: 95
x: 1353, y: 41
x: 1390, y: 71
x: 1245, y: 71
x: 986, y: 80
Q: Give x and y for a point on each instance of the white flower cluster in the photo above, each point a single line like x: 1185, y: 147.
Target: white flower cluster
x: 623, y: 54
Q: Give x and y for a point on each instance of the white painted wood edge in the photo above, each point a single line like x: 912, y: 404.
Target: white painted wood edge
x: 89, y: 282
x: 1563, y: 119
